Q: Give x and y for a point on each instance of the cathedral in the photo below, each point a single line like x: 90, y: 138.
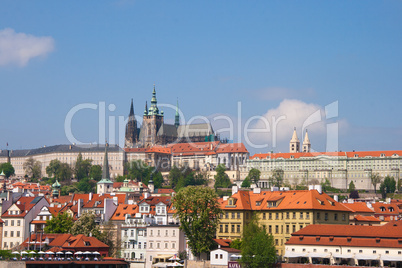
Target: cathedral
x: 154, y: 131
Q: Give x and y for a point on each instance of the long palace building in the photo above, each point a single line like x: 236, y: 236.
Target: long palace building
x: 340, y: 168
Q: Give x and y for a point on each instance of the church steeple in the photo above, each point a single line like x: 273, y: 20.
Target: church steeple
x: 294, y: 145
x: 131, y: 137
x: 154, y: 110
x: 105, y: 168
x: 177, y: 116
x: 131, y: 109
x: 306, y: 143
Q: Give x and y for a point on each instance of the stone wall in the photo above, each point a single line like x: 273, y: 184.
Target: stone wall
x: 12, y: 264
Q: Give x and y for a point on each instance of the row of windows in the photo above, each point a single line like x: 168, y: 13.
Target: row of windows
x: 302, y: 215
x: 350, y: 251
x: 151, y: 233
x: 235, y: 228
x: 5, y: 245
x: 18, y: 234
x: 12, y: 222
x: 165, y: 244
x: 140, y: 233
x: 140, y: 245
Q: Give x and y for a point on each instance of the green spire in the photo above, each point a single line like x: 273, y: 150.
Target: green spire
x: 105, y: 168
x: 2, y: 173
x: 177, y: 117
x: 154, y: 104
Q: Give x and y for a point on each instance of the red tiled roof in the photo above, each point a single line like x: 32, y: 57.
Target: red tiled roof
x: 386, y: 209
x: 154, y: 200
x: 387, y: 235
x: 122, y: 210
x: 223, y: 242
x: 24, y: 204
x: 231, y: 148
x: 285, y: 200
x: 366, y: 218
x: 165, y: 191
x: 359, y: 207
x: 159, y: 149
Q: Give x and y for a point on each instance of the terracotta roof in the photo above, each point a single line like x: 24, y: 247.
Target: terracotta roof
x: 164, y: 191
x: 299, y: 199
x: 25, y: 204
x: 67, y: 241
x: 135, y: 150
x: 98, y: 201
x: 231, y: 148
x: 122, y: 210
x: 154, y: 200
x: 387, y: 235
x: 159, y: 149
x: 223, y: 242
x: 386, y: 209
x: 366, y: 218
x: 359, y: 207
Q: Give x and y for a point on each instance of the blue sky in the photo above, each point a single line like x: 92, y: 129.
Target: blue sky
x: 275, y: 57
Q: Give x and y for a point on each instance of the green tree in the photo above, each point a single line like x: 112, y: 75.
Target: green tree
x: 65, y: 172
x: 388, y: 186
x: 53, y: 168
x: 352, y: 186
x: 138, y: 170
x: 246, y: 183
x: 277, y: 178
x: 60, y: 224
x: 326, y: 185
x: 33, y: 168
x: 8, y: 169
x: 86, y: 185
x: 86, y: 225
x: 257, y: 247
x: 197, y: 209
x: 157, y: 178
x: 69, y: 188
x: 174, y: 176
x: 96, y: 172
x: 375, y: 179
x: 221, y: 178
x: 254, y: 175
x: 236, y: 244
x: 82, y: 167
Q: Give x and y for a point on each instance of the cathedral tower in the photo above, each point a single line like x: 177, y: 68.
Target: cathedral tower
x: 131, y: 129
x: 294, y: 145
x: 152, y: 121
x: 177, y: 116
x: 306, y: 143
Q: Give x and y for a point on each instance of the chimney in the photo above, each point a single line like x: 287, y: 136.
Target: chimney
x: 235, y: 189
x: 80, y: 204
x: 90, y: 196
x: 257, y: 190
x: 336, y: 198
x: 318, y: 188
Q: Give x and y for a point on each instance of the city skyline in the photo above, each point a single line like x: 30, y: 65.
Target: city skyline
x: 275, y: 58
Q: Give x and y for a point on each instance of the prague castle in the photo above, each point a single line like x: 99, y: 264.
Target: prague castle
x: 154, y: 131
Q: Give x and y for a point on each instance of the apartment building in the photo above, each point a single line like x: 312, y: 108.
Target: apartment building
x: 280, y: 212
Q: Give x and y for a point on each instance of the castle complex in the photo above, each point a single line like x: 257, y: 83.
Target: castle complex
x: 154, y: 131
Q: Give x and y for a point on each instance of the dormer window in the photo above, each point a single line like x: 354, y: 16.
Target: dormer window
x: 87, y: 243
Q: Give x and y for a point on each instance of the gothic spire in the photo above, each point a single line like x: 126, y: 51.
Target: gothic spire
x: 146, y: 108
x: 105, y: 168
x: 131, y: 109
x: 177, y: 116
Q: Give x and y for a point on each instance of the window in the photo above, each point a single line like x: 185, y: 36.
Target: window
x: 270, y: 229
x: 145, y: 244
x: 264, y: 216
x: 270, y: 216
x: 12, y: 222
x: 221, y: 228
x: 6, y: 223
x: 238, y: 215
x: 287, y: 215
x: 294, y: 215
x: 276, y: 242
x: 387, y: 252
x: 159, y: 232
x: 238, y: 228
x: 216, y: 256
x: 233, y: 215
x: 139, y: 244
x: 150, y: 245
x: 301, y: 215
x: 307, y: 215
x: 287, y: 229
x: 151, y: 233
x: 5, y: 244
x: 374, y: 251
x: 125, y: 232
x: 293, y: 228
x: 276, y: 229
x: 18, y: 233
x: 348, y: 250
x: 360, y: 251
x: 277, y: 216
x: 158, y: 245
x: 166, y: 233
x: 336, y: 216
x: 12, y: 234
x: 221, y: 256
x: 318, y: 215
x: 173, y: 245
x: 233, y: 228
x: 5, y: 233
x: 166, y: 245
x: 326, y: 216
x: 344, y: 217
x: 174, y: 233
x: 226, y: 228
x: 227, y: 215
x: 18, y: 223
x: 132, y: 233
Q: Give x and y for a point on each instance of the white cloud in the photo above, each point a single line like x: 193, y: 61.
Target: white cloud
x: 19, y: 48
x: 278, y: 123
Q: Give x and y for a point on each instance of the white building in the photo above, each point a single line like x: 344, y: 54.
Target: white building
x: 17, y: 219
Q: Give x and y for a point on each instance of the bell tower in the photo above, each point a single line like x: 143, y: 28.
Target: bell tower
x: 294, y: 145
